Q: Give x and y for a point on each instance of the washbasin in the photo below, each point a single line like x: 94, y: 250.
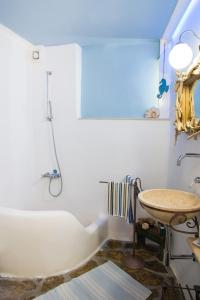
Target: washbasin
x: 170, y: 206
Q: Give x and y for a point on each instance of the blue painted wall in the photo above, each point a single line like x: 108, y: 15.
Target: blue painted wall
x: 119, y: 81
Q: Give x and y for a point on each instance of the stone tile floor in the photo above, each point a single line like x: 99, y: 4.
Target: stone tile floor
x: 154, y: 275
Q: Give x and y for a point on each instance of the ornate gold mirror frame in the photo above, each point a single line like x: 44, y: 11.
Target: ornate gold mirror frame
x: 186, y: 120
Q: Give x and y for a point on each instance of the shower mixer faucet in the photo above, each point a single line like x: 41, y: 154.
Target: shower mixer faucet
x: 52, y: 175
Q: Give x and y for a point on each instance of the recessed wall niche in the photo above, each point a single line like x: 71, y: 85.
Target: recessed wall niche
x: 119, y: 80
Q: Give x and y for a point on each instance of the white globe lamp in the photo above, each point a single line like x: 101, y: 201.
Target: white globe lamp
x: 180, y: 56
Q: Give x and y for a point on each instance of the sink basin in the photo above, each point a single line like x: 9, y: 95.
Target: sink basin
x: 170, y: 206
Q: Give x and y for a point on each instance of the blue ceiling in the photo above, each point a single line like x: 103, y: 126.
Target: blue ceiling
x: 51, y: 22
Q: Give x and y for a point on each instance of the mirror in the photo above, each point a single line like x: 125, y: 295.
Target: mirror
x: 187, y: 89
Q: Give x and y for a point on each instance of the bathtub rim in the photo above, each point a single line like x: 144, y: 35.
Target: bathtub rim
x: 65, y: 272
x: 101, y: 221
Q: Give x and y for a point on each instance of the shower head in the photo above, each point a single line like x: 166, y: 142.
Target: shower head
x: 49, y: 106
x: 49, y: 111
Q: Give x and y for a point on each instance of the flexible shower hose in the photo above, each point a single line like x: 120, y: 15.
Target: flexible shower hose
x: 50, y: 119
x: 58, y: 164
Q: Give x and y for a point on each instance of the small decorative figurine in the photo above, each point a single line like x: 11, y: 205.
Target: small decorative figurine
x: 152, y: 113
x: 163, y: 88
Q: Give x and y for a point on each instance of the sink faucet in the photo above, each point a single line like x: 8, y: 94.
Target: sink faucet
x: 197, y: 179
x: 182, y: 156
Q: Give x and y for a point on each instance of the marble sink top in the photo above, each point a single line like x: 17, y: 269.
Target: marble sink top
x: 163, y: 204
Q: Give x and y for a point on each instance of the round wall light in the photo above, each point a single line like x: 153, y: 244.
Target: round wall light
x: 181, y: 54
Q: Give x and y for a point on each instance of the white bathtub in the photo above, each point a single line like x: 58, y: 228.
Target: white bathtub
x: 45, y: 243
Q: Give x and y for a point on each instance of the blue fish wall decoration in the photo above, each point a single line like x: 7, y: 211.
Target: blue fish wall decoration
x: 163, y: 88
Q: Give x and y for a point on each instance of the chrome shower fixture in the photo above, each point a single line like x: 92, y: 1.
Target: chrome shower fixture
x: 49, y: 112
x: 49, y: 106
x: 55, y: 174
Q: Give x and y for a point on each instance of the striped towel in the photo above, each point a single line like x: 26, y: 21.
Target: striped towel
x: 120, y: 200
x: 133, y: 191
x: 121, y: 196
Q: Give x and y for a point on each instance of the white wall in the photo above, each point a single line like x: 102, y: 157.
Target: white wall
x: 94, y: 150
x: 89, y: 150
x: 16, y: 147
x: 187, y: 272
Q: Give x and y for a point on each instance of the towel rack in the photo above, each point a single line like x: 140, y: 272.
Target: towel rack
x: 133, y: 261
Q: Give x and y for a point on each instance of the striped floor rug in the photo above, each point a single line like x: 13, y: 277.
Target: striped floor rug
x: 106, y: 282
